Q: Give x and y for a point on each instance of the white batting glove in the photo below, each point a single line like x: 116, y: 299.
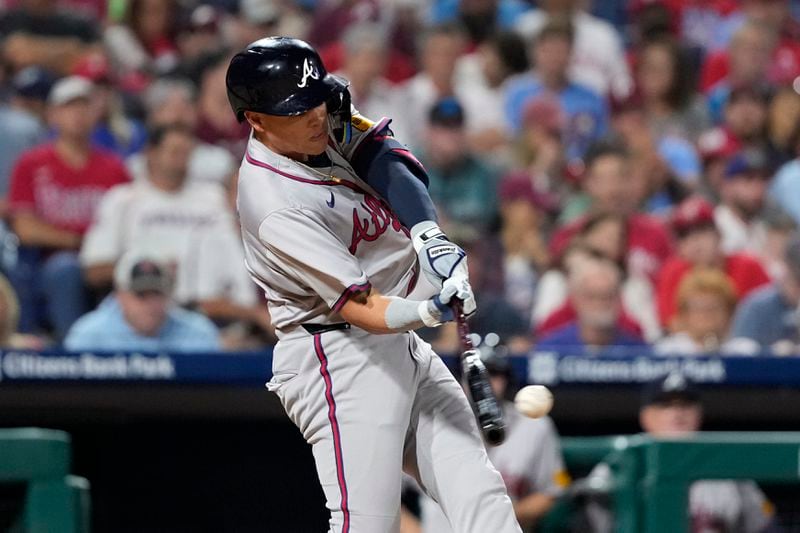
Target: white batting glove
x: 439, y: 309
x: 439, y: 258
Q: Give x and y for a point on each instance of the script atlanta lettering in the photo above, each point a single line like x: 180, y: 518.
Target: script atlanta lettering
x: 369, y: 229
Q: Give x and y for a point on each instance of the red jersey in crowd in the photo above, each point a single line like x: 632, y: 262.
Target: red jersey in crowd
x: 649, y: 243
x: 744, y: 271
x: 59, y: 194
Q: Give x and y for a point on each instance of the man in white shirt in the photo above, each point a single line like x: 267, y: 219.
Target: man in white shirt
x: 184, y: 222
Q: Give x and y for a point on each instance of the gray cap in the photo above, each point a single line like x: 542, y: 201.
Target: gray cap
x: 68, y: 89
x: 142, y: 272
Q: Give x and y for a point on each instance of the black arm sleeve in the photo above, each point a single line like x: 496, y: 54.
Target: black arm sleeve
x: 389, y: 168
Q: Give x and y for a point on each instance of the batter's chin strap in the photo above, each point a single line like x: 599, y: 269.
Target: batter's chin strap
x: 340, y: 112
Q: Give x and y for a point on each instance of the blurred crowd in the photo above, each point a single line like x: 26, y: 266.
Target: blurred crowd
x: 624, y: 172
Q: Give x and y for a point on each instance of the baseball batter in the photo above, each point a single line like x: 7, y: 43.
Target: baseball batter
x: 339, y: 268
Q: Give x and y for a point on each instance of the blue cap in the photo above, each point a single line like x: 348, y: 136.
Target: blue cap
x: 748, y: 161
x: 673, y: 386
x: 33, y: 82
x: 447, y: 112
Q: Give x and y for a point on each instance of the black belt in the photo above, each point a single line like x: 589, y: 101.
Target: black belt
x: 313, y: 329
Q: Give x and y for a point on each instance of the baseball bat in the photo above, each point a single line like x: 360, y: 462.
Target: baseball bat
x: 479, y: 391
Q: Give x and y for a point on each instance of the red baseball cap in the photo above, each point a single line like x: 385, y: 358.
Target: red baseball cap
x: 693, y: 213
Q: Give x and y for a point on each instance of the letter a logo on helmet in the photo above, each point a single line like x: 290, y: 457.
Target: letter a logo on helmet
x: 309, y: 71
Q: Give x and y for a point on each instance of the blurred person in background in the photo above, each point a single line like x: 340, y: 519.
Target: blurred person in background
x: 481, y: 18
x: 9, y: 321
x: 700, y: 245
x: 671, y: 408
x: 461, y: 184
x: 706, y: 302
x: 539, y: 147
x: 782, y: 122
x: 55, y: 189
x: 22, y: 121
x: 481, y: 79
x: 594, y: 290
x: 144, y: 42
x: 332, y: 18
x: 742, y: 194
x: 598, y: 61
x: 779, y: 229
x: 783, y: 190
x: 198, y: 35
x: 215, y: 123
x: 665, y: 82
x: 606, y: 188
x: 363, y: 64
x: 254, y: 20
x: 184, y: 222
x: 38, y: 33
x: 116, y: 130
x: 603, y: 235
x: 770, y: 317
x: 171, y: 101
x: 586, y: 112
x: 529, y: 459
x: 138, y: 315
x: 750, y: 51
x: 439, y: 48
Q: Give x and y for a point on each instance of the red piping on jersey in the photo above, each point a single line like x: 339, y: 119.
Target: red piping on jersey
x: 337, y: 437
x: 338, y: 181
x: 348, y: 293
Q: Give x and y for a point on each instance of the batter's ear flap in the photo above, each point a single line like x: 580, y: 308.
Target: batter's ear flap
x: 339, y: 109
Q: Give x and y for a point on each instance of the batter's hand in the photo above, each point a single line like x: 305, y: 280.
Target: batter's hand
x: 439, y: 258
x: 456, y: 287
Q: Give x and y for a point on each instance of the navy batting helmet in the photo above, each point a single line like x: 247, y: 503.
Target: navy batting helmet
x: 279, y: 76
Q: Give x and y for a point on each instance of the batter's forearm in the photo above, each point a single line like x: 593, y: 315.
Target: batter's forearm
x: 376, y: 313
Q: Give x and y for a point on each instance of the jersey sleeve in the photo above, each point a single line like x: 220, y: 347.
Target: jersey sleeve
x: 103, y: 242
x: 309, y: 252
x: 20, y: 195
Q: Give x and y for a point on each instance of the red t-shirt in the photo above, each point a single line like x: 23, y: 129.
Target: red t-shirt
x: 744, y: 271
x: 649, y: 243
x: 59, y: 194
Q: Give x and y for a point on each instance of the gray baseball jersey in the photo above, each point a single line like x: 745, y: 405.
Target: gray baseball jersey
x: 367, y: 404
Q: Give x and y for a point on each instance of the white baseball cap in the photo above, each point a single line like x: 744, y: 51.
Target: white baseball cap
x: 139, y: 271
x: 68, y: 89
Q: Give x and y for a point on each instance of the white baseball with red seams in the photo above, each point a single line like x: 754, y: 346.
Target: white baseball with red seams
x: 367, y: 404
x: 534, y: 401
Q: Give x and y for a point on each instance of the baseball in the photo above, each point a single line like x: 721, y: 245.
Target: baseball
x: 534, y: 401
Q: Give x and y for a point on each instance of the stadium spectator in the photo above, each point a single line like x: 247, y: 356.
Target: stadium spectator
x: 607, y: 190
x: 256, y: 19
x: 594, y: 290
x: 9, y: 321
x: 55, y: 189
x: 481, y: 18
x: 706, y: 302
x: 785, y: 187
x: 138, y: 315
x: 481, y: 79
x: 538, y: 149
x: 39, y: 33
x: 784, y: 115
x: 144, y: 43
x: 750, y: 51
x: 779, y: 229
x: 603, y: 235
x: 183, y: 222
x: 598, y: 61
x: 665, y: 82
x: 215, y: 122
x: 529, y: 460
x: 671, y: 408
x: 699, y: 245
x: 22, y: 121
x: 586, y: 112
x: 769, y: 316
x: 332, y: 19
x: 742, y: 196
x: 199, y: 35
x: 461, y: 184
x: 169, y: 102
x: 439, y: 49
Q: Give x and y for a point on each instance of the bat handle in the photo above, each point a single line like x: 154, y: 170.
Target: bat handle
x: 461, y: 322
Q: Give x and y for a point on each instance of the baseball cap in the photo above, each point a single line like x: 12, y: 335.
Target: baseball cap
x: 447, y: 112
x: 93, y: 67
x: 748, y: 162
x: 517, y: 185
x: 33, y: 82
x: 693, y: 213
x: 139, y: 272
x: 792, y: 255
x: 69, y: 89
x: 673, y: 386
x: 717, y: 143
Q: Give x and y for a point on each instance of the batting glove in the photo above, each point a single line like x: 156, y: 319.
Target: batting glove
x: 439, y: 258
x: 439, y: 309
